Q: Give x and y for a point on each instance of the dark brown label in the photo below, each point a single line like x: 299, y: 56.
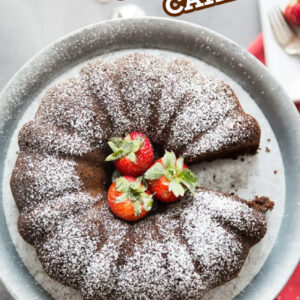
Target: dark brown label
x: 176, y: 8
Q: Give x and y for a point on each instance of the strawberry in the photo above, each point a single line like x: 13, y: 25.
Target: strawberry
x: 132, y: 155
x: 129, y: 199
x: 169, y: 178
x: 292, y: 12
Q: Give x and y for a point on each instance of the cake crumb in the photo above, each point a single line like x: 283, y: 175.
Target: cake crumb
x: 263, y: 202
x: 268, y: 150
x: 268, y: 140
x: 275, y: 171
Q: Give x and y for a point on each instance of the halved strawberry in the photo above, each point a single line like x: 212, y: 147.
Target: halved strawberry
x: 129, y: 199
x: 132, y: 155
x: 169, y: 178
x: 292, y: 12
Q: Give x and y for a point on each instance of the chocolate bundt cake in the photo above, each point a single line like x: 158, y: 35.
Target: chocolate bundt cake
x: 60, y: 182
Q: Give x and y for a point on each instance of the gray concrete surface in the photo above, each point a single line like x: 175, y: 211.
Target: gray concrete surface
x: 27, y: 26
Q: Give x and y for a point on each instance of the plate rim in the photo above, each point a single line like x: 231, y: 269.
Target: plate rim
x: 240, y: 54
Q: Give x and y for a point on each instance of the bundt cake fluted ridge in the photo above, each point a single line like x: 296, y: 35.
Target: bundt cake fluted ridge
x: 59, y: 182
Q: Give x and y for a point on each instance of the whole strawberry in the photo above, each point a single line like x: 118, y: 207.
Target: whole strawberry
x: 292, y: 12
x: 132, y: 155
x: 169, y: 178
x: 129, y: 199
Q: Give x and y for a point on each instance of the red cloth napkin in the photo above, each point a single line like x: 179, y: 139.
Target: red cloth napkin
x: 292, y: 289
x: 257, y: 49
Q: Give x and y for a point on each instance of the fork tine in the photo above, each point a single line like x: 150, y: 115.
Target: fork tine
x: 283, y: 33
x: 275, y: 27
x: 285, y: 27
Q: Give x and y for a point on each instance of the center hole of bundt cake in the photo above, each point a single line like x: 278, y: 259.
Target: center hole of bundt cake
x: 143, y: 177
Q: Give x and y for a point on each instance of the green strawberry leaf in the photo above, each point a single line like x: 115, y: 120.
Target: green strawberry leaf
x: 147, y: 202
x: 121, y: 198
x: 180, y: 179
x: 115, y: 143
x: 187, y: 184
x: 116, y: 155
x: 127, y: 147
x: 122, y: 185
x: 137, y: 208
x: 144, y: 187
x: 171, y: 173
x: 189, y: 176
x: 176, y: 188
x: 137, y: 144
x: 155, y: 172
x: 132, y: 157
x: 179, y: 163
x: 117, y: 140
x: 124, y: 147
x: 136, y: 184
x: 169, y: 160
x: 189, y: 187
x: 113, y: 146
x: 135, y: 192
x: 189, y: 180
x: 127, y: 137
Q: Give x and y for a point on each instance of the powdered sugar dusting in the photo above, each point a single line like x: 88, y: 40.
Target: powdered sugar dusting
x: 42, y: 220
x: 71, y: 106
x: 206, y: 105
x: 180, y: 252
x: 40, y: 178
x: 40, y: 136
x: 103, y: 81
x: 140, y: 90
x: 92, y: 251
x: 230, y: 131
x: 65, y: 253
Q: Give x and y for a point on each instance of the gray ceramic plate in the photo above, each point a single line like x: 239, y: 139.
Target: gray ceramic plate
x: 183, y: 38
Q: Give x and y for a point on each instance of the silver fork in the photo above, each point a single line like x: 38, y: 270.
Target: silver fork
x: 284, y: 34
